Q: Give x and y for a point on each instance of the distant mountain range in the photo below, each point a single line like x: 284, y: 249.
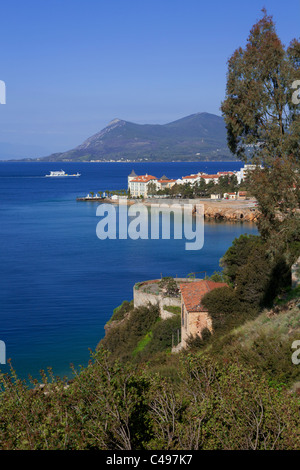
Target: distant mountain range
x: 198, y: 137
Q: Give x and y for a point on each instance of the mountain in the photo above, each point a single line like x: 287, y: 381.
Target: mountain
x: 200, y: 136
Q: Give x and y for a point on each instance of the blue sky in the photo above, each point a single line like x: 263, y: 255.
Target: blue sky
x: 71, y: 66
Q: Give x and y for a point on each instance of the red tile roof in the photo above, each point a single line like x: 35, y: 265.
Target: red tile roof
x: 209, y: 176
x: 166, y: 181
x: 143, y: 179
x: 193, y: 292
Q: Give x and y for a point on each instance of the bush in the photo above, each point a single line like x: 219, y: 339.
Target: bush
x: 237, y: 255
x: 224, y: 407
x: 120, y: 311
x: 176, y: 310
x: 115, y: 406
x: 122, y: 339
x: 224, y: 308
x: 197, y: 342
x: 161, y: 339
x: 218, y: 276
x: 252, y: 280
x: 169, y: 287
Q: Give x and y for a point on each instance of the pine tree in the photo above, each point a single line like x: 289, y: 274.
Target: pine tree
x: 263, y: 127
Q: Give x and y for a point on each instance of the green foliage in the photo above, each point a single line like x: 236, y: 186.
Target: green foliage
x: 258, y: 108
x: 204, y: 190
x: 120, y: 311
x: 151, y: 188
x: 142, y: 343
x: 118, y: 406
x: 176, y: 310
x: 169, y: 287
x: 260, y: 115
x: 122, y: 339
x: 197, y: 342
x: 218, y: 276
x: 288, y: 294
x: 111, y: 405
x: 237, y: 255
x: 264, y: 344
x: 225, y: 308
x: 161, y: 339
x: 253, y: 278
x: 257, y: 275
x: 222, y: 406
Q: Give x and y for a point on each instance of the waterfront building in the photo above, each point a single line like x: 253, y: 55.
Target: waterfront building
x: 192, y: 179
x: 165, y: 182
x: 209, y: 178
x: 138, y: 185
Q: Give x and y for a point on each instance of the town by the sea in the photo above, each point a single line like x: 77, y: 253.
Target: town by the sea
x: 59, y: 281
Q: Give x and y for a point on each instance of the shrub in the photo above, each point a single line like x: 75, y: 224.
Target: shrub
x: 221, y: 406
x: 122, y: 339
x: 224, y: 308
x: 161, y: 339
x: 237, y: 255
x: 252, y: 280
x: 120, y: 311
x: 176, y: 310
x: 197, y: 342
x: 169, y: 287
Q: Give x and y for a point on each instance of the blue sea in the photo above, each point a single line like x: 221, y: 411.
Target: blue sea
x: 59, y: 281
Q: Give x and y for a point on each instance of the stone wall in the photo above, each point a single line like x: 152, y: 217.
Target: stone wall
x: 141, y: 298
x: 193, y: 325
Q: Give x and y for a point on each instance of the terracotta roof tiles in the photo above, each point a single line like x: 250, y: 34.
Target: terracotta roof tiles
x: 143, y: 179
x: 193, y: 292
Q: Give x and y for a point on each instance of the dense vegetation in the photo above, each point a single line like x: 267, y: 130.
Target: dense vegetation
x: 109, y: 405
x: 234, y: 389
x: 263, y: 126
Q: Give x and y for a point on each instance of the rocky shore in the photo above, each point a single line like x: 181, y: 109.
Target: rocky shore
x: 231, y: 211
x: 226, y: 210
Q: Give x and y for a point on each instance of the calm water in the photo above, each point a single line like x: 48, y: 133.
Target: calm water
x: 59, y: 282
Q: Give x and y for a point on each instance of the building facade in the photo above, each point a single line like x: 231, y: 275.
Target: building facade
x: 194, y: 317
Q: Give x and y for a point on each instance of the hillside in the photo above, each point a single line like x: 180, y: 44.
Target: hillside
x: 200, y: 136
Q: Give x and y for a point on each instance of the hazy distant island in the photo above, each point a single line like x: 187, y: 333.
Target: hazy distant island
x: 198, y: 137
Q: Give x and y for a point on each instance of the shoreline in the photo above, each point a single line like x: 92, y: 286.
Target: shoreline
x: 228, y: 210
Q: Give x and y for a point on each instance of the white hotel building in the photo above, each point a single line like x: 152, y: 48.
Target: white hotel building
x: 138, y: 184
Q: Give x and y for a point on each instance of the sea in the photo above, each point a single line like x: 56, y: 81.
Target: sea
x: 59, y: 282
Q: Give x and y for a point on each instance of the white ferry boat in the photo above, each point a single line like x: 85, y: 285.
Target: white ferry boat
x: 60, y: 174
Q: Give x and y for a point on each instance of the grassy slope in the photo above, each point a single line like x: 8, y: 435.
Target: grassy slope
x: 264, y: 343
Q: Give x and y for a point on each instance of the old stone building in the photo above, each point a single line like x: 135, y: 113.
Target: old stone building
x: 194, y: 317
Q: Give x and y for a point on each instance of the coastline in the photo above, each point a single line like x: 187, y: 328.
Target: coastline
x: 226, y: 210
